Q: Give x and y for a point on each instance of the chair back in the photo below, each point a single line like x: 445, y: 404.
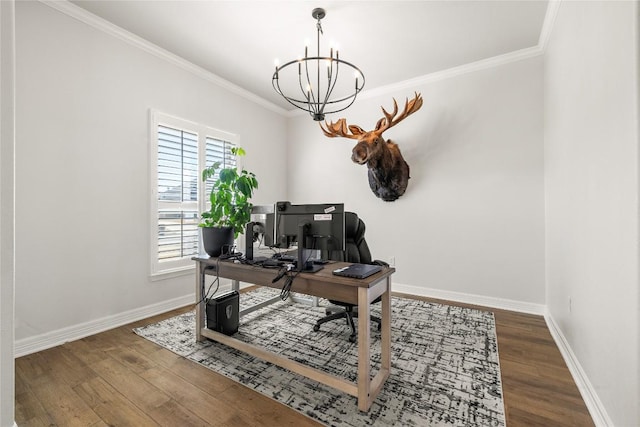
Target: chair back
x: 356, y: 248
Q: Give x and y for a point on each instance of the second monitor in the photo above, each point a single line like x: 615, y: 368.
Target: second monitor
x: 315, y: 227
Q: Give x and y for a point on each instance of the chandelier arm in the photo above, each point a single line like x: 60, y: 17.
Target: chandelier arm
x: 276, y: 86
x: 328, y: 92
x: 357, y: 90
x: 291, y: 101
x: 331, y: 86
x: 353, y: 99
x: 310, y: 89
x: 318, y: 108
x: 305, y: 93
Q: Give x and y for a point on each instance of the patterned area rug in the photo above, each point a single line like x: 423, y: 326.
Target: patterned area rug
x: 444, y: 362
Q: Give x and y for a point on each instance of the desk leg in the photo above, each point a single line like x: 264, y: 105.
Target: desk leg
x: 364, y: 349
x: 199, y: 302
x: 235, y: 285
x: 385, y: 334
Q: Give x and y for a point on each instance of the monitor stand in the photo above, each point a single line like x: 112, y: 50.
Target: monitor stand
x: 302, y: 266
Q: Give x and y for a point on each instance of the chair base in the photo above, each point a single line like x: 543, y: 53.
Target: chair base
x: 348, y: 313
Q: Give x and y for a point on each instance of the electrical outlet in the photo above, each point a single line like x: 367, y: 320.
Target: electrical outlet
x: 392, y: 261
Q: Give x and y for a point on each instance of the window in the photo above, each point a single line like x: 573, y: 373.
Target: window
x: 180, y: 151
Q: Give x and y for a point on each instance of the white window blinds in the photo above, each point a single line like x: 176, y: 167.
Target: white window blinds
x: 180, y: 151
x: 177, y: 193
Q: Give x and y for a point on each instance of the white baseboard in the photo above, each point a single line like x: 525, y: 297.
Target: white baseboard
x: 51, y: 339
x: 493, y: 302
x: 589, y: 395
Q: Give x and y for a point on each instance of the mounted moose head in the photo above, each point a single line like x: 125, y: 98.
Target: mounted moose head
x: 388, y: 172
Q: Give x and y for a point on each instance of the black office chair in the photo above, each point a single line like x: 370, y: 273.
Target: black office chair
x: 356, y: 251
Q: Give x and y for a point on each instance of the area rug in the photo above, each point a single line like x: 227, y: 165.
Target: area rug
x: 444, y: 362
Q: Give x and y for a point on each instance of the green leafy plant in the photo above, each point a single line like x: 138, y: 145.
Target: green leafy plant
x: 230, y: 196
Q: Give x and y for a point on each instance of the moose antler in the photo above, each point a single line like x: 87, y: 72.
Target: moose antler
x: 390, y: 120
x: 340, y: 128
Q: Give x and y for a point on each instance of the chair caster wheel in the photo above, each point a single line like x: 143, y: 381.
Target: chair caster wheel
x: 316, y: 328
x: 352, y: 338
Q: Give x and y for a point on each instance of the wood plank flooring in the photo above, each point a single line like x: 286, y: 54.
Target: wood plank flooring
x: 116, y: 378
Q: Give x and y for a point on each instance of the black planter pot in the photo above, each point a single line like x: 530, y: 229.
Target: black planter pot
x: 217, y: 240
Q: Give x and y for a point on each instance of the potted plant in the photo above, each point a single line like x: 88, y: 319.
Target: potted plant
x: 230, y: 206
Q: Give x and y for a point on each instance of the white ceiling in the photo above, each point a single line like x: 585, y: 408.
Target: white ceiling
x: 390, y: 41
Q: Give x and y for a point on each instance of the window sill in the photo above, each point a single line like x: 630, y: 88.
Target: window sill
x: 174, y: 272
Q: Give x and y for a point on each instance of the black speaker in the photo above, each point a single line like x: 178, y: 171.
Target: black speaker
x: 223, y: 313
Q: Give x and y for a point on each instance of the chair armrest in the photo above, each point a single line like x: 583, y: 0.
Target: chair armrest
x: 380, y: 262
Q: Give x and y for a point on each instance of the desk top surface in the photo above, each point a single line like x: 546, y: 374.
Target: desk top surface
x: 231, y: 269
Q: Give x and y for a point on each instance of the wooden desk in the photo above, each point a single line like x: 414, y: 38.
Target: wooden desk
x: 322, y: 284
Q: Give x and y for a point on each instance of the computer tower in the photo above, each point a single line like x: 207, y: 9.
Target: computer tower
x: 223, y: 313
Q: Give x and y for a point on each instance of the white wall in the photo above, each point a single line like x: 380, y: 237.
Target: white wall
x: 591, y: 173
x: 82, y: 177
x: 472, y: 219
x: 7, y: 148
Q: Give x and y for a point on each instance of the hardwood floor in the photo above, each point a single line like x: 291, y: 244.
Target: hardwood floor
x: 116, y: 378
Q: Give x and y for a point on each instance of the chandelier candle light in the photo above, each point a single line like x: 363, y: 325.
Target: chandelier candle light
x: 313, y: 91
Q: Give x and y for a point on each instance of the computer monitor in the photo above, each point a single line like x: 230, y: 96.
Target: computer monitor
x: 259, y: 236
x: 313, y: 226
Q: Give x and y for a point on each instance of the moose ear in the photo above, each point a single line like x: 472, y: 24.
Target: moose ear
x: 356, y: 130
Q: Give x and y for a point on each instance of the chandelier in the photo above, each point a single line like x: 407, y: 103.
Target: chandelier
x: 316, y: 89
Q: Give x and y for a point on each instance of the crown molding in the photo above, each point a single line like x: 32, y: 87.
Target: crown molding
x: 107, y: 27
x: 547, y: 25
x: 471, y: 67
x: 88, y: 18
